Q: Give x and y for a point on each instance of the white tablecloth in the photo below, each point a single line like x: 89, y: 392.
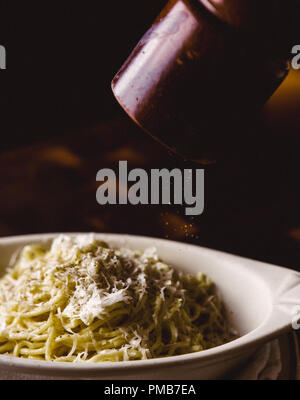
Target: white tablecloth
x: 266, y: 363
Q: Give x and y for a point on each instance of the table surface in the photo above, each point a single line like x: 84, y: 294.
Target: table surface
x: 251, y: 198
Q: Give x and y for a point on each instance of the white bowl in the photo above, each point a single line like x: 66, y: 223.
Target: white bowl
x: 261, y: 297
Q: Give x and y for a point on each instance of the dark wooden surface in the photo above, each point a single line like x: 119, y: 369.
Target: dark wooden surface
x: 252, y: 197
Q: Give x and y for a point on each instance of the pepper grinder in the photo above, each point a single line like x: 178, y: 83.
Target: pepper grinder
x: 200, y: 73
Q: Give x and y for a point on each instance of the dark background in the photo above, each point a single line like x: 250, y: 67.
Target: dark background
x: 61, y: 58
x: 60, y: 124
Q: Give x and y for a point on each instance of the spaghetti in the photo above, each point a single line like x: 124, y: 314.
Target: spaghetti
x: 80, y: 300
